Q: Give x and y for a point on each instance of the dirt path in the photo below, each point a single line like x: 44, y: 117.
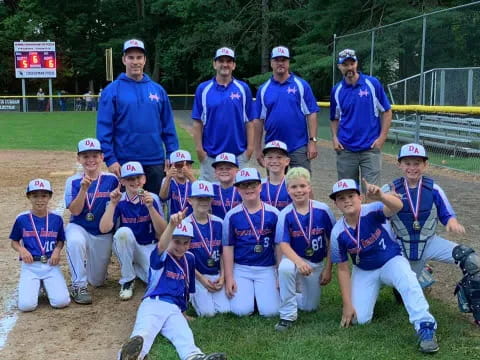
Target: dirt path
x: 97, y: 331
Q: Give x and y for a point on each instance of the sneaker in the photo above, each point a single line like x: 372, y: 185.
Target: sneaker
x: 80, y: 295
x: 426, y: 338
x: 126, y: 291
x: 213, y: 356
x: 426, y: 278
x: 284, y: 325
x: 42, y: 293
x: 132, y: 348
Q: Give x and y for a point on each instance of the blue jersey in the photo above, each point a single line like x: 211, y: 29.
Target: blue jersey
x: 98, y: 193
x: 376, y: 245
x: 358, y: 109
x: 224, y: 111
x: 317, y: 226
x: 275, y: 195
x: 208, y: 248
x: 137, y: 218
x: 177, y: 197
x: 23, y: 230
x: 238, y: 232
x: 222, y: 201
x: 284, y: 107
x: 171, y: 279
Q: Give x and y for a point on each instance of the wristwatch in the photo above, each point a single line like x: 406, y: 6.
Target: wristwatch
x: 314, y: 139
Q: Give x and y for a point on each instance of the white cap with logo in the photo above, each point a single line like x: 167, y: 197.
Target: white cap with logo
x: 280, y: 51
x: 247, y: 174
x: 201, y: 188
x: 276, y: 144
x: 131, y: 168
x: 88, y: 144
x: 179, y: 156
x: 185, y: 228
x: 412, y: 149
x: 133, y: 43
x: 39, y: 184
x: 225, y: 158
x: 224, y: 51
x: 342, y: 185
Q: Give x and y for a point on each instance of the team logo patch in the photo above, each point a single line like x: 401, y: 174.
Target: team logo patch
x: 235, y: 95
x: 154, y: 97
x: 362, y: 93
x: 292, y: 90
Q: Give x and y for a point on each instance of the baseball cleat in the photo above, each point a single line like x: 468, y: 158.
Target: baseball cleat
x: 132, y: 348
x: 80, y: 295
x: 426, y: 338
x: 213, y: 356
x: 284, y: 325
x: 126, y: 291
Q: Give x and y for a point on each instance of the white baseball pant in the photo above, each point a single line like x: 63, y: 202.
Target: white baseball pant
x: 397, y: 273
x: 156, y: 316
x: 437, y: 249
x: 207, y: 303
x: 88, y: 255
x: 134, y: 258
x: 29, y: 285
x: 255, y: 283
x: 290, y: 300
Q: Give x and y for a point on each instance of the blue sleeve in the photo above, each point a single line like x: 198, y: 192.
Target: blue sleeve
x: 68, y: 193
x: 157, y: 261
x: 61, y: 230
x: 333, y: 105
x: 444, y: 209
x: 257, y: 106
x: 197, y: 109
x: 338, y: 252
x: 16, y: 233
x: 282, y: 233
x: 227, y: 237
x: 330, y: 223
x: 158, y: 206
x: 382, y: 96
x: 310, y: 98
x: 105, y: 120
x: 169, y: 133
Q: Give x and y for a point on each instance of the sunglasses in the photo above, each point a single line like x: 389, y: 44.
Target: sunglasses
x: 347, y: 53
x: 249, y: 184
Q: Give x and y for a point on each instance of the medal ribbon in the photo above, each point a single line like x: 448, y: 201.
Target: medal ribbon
x: 415, y: 209
x: 277, y: 195
x: 221, y: 198
x: 183, y: 203
x: 132, y: 199
x: 185, y: 271
x: 37, y: 236
x: 357, y: 240
x: 94, y: 196
x: 249, y: 219
x: 209, y: 250
x: 310, y: 223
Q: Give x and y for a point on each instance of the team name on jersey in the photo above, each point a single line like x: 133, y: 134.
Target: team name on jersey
x: 228, y: 202
x: 374, y: 237
x: 199, y: 245
x: 139, y: 219
x: 249, y: 232
x: 174, y: 275
x: 315, y: 231
x: 43, y: 233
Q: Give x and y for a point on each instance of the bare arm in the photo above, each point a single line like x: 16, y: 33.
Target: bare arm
x: 344, y: 281
x: 258, y: 136
x: 250, y: 127
x: 77, y: 205
x: 165, y: 188
x: 303, y: 267
x: 230, y: 284
x: 106, y: 222
x: 175, y: 219
x: 386, y: 122
x: 312, y: 151
x: 159, y: 224
x: 391, y: 201
x: 197, y: 137
x: 334, y: 128
x: 24, y: 253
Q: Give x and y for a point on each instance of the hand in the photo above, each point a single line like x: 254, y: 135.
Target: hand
x: 209, y: 285
x: 26, y: 256
x: 378, y: 143
x: 304, y: 268
x: 248, y: 153
x: 188, y: 172
x: 189, y: 318
x: 312, y: 151
x: 55, y: 258
x: 166, y: 166
x: 201, y: 154
x: 325, y: 276
x: 177, y: 218
x: 115, y: 195
x: 454, y: 226
x: 219, y: 283
x: 115, y: 169
x: 85, y: 183
x: 337, y: 146
x: 372, y: 191
x: 230, y: 288
x: 171, y: 171
x: 348, y: 315
x: 260, y: 158
x: 147, y: 199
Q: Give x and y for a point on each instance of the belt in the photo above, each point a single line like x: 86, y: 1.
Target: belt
x: 37, y: 258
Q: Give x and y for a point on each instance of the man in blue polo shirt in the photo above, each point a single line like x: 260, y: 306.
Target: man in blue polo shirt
x: 360, y: 115
x: 222, y: 116
x: 287, y: 108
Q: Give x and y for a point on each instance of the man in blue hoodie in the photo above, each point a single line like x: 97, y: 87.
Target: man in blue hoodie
x: 135, y: 120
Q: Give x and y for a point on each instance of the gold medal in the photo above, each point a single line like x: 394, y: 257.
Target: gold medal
x: 43, y: 259
x: 89, y: 216
x: 258, y: 248
x: 140, y: 192
x: 211, y: 262
x: 309, y: 251
x: 416, y: 225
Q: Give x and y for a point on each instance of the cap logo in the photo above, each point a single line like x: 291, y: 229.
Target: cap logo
x: 180, y: 155
x: 89, y: 143
x: 342, y: 184
x: 244, y: 173
x: 281, y: 50
x: 182, y: 227
x: 39, y: 184
x: 204, y: 187
x: 413, y: 149
x: 223, y: 157
x: 131, y: 167
x: 133, y: 42
x: 275, y: 143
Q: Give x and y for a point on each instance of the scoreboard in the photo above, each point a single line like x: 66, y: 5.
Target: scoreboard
x: 35, y: 59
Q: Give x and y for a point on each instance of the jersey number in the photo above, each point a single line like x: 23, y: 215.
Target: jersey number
x: 317, y: 243
x: 381, y: 243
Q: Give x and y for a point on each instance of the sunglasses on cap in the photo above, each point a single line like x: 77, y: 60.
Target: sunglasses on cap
x: 347, y: 53
x: 249, y: 184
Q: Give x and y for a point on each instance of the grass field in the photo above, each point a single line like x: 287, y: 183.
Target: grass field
x: 316, y: 335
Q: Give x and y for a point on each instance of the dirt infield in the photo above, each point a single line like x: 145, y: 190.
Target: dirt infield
x: 97, y: 331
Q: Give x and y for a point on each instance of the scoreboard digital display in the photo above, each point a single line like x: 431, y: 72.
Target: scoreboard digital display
x: 35, y: 59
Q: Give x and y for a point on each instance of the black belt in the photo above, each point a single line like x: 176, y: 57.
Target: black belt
x: 37, y: 258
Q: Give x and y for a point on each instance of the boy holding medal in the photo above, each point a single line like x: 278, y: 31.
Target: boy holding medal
x: 248, y: 249
x: 226, y: 196
x: 206, y: 245
x: 177, y: 181
x: 424, y: 203
x: 274, y: 192
x: 172, y: 270
x: 140, y: 223
x: 38, y: 236
x: 86, y: 195
x: 303, y: 234
x: 365, y: 234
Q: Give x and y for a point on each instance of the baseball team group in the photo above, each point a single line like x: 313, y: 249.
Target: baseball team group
x: 232, y: 241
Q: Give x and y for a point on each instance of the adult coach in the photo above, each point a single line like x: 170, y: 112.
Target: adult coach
x: 360, y: 115
x: 286, y: 107
x: 222, y: 116
x: 135, y: 120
